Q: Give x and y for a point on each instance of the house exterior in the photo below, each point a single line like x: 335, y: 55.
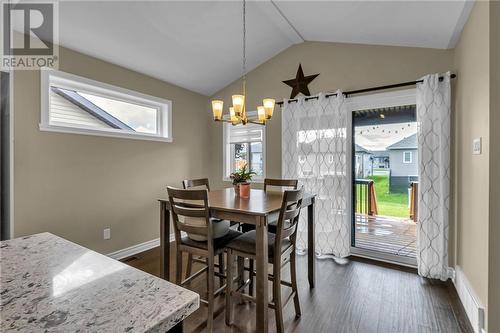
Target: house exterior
x: 363, y: 162
x: 381, y: 159
x: 404, y: 163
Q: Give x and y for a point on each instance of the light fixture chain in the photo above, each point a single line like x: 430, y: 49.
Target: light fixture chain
x: 238, y: 111
x: 243, y: 116
x: 244, y: 41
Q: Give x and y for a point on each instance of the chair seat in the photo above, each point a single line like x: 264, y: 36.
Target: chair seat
x: 246, y: 243
x: 220, y: 228
x: 271, y: 226
x: 219, y: 243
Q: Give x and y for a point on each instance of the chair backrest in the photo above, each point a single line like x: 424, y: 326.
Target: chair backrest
x: 289, y: 217
x: 192, y: 205
x: 281, y: 183
x: 188, y: 183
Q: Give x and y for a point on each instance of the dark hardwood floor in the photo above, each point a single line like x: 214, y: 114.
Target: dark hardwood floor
x: 361, y: 296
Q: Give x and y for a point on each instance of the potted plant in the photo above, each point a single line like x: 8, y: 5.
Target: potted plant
x: 240, y: 181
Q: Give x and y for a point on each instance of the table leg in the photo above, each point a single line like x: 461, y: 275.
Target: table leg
x: 311, y: 266
x: 261, y: 275
x: 164, y: 241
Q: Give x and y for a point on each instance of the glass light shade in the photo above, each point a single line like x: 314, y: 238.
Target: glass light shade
x: 217, y: 107
x: 238, y: 103
x: 233, y: 115
x: 261, y: 111
x: 269, y: 107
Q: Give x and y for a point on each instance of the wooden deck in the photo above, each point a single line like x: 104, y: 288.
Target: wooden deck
x: 386, y: 234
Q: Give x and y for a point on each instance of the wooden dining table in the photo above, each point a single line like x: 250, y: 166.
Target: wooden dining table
x: 260, y: 208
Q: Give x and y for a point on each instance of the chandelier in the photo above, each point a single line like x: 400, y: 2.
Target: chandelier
x: 237, y: 113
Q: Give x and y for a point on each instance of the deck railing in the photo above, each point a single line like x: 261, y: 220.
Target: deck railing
x: 414, y: 201
x: 365, y: 197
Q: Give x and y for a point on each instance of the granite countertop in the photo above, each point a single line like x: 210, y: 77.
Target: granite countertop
x: 49, y: 284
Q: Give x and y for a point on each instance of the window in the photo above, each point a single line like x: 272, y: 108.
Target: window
x: 73, y: 104
x: 244, y: 145
x: 407, y: 158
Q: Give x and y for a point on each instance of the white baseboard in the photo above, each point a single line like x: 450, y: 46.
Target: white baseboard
x: 138, y: 248
x: 472, y: 306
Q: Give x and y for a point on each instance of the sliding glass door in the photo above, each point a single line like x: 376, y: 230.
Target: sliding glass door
x: 384, y: 178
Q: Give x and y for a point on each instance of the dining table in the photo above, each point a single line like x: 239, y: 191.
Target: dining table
x: 258, y: 209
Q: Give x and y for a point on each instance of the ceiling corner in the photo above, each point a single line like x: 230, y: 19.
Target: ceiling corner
x: 275, y: 15
x: 462, y: 20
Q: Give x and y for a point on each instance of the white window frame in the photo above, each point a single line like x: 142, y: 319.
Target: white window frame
x: 226, y: 153
x: 65, y: 80
x: 404, y: 157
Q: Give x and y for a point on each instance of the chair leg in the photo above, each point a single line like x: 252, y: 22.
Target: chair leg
x: 278, y: 310
x: 250, y: 274
x: 221, y: 268
x: 229, y: 287
x: 178, y: 267
x: 210, y: 294
x: 293, y: 274
x: 189, y: 265
x: 241, y: 274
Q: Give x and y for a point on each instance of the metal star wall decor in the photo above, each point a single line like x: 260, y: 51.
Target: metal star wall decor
x: 299, y: 84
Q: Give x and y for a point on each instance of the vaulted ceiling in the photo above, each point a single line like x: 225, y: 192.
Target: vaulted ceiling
x: 197, y: 44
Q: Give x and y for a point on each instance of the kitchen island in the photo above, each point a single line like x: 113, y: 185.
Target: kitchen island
x: 49, y: 284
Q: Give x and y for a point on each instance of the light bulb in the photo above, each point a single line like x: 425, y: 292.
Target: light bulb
x: 232, y: 114
x: 261, y: 111
x: 238, y: 103
x: 269, y: 107
x: 217, y: 107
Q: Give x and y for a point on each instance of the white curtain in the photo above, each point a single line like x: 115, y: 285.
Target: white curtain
x: 314, y: 150
x: 433, y: 116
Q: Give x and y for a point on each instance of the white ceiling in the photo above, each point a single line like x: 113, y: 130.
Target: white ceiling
x: 434, y: 24
x: 197, y: 44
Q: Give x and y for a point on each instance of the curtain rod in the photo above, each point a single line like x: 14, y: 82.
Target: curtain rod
x: 360, y: 91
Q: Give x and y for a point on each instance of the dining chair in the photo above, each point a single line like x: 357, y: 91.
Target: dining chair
x: 192, y: 207
x: 281, y: 251
x: 271, y: 227
x: 280, y: 183
x: 189, y: 183
x: 273, y: 182
x: 200, y: 183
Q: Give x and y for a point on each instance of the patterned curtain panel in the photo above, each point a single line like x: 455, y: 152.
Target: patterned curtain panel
x: 433, y: 116
x: 314, y: 151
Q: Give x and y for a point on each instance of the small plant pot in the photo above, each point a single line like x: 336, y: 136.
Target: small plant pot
x: 236, y: 189
x: 245, y: 190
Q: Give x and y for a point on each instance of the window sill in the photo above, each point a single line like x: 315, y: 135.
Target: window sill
x: 83, y: 131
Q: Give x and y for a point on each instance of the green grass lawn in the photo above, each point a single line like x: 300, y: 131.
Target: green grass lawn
x: 390, y: 204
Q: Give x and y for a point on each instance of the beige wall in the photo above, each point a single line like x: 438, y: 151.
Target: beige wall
x: 494, y: 236
x: 76, y: 185
x: 472, y: 171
